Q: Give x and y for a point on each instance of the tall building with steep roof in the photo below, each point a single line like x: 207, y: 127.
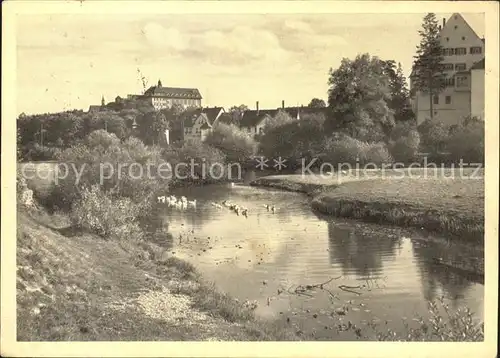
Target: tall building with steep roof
x: 165, y: 97
x: 463, y: 95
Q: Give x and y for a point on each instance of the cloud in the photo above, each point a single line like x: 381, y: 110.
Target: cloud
x: 169, y: 38
x: 239, y: 46
x: 297, y: 25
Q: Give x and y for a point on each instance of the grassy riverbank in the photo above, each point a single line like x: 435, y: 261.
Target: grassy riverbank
x: 79, y: 287
x: 450, y: 207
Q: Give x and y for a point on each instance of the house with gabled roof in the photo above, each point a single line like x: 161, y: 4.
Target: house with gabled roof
x: 463, y: 95
x: 254, y: 121
x: 198, y: 123
x: 165, y: 97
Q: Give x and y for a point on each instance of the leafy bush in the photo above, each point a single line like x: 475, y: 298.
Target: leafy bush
x: 433, y: 135
x: 404, y: 142
x: 443, y: 325
x: 294, y: 140
x: 192, y: 160
x: 341, y: 149
x: 280, y: 119
x: 100, y: 213
x: 101, y: 139
x: 130, y: 169
x: 237, y: 145
x: 376, y: 153
x: 36, y: 152
x: 466, y: 142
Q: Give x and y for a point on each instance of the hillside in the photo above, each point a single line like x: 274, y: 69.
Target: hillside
x: 79, y: 287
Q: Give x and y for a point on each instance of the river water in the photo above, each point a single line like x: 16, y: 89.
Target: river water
x: 265, y: 256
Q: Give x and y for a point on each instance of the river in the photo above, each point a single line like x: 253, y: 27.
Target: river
x: 265, y: 256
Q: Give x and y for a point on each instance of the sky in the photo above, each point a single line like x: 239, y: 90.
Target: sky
x: 67, y: 61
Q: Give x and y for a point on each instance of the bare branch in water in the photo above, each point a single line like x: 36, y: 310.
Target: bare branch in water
x: 350, y: 289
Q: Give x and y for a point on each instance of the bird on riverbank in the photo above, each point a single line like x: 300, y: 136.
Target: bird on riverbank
x: 244, y: 212
x: 273, y: 209
x: 192, y: 203
x: 216, y: 205
x: 161, y: 199
x: 267, y: 206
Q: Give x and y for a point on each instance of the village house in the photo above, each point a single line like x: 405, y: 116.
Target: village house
x: 198, y: 123
x: 165, y: 97
x: 463, y: 64
x: 254, y: 121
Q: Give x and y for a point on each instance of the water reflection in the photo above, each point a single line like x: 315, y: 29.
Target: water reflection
x: 297, y: 246
x: 438, y: 280
x: 359, y: 252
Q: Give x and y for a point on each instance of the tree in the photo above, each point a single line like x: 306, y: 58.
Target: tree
x: 151, y: 125
x: 317, y: 103
x: 433, y: 135
x: 358, y: 96
x: 237, y: 111
x: 404, y: 142
x: 429, y: 77
x: 237, y: 145
x: 466, y: 141
x: 399, y: 100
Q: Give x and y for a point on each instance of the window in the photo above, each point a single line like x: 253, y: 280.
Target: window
x: 447, y: 99
x: 460, y: 51
x: 449, y: 82
x: 463, y: 38
x: 462, y: 81
x: 435, y: 99
x: 447, y: 66
x: 476, y: 50
x: 460, y: 66
x: 448, y: 51
x: 447, y: 39
x: 456, y: 27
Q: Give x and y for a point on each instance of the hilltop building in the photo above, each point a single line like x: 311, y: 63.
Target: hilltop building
x: 94, y: 108
x: 464, y: 59
x: 165, y: 97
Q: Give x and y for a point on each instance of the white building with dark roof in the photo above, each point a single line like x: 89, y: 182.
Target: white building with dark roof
x: 463, y: 95
x: 165, y: 97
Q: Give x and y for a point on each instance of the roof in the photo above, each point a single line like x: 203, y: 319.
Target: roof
x: 456, y: 14
x: 210, y: 115
x: 293, y: 111
x: 94, y: 108
x: 205, y: 126
x: 213, y: 113
x: 253, y: 117
x: 173, y: 92
x: 478, y: 65
x: 189, y: 116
